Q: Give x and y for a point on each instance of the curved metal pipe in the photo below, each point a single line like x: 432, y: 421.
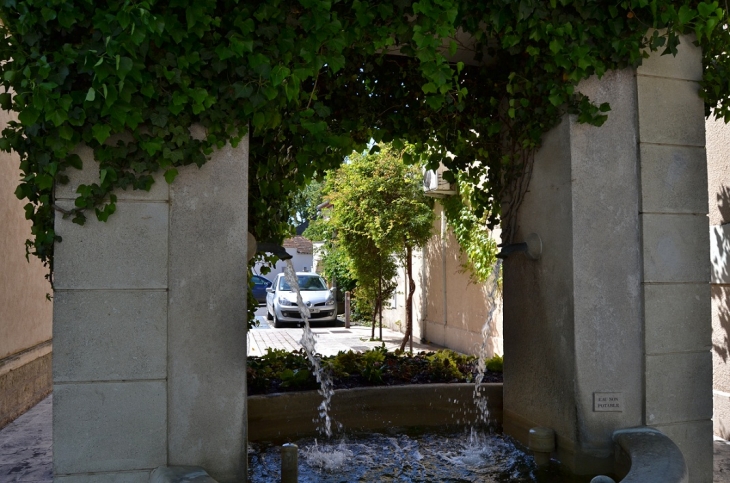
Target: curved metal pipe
x: 269, y: 247
x: 532, y: 247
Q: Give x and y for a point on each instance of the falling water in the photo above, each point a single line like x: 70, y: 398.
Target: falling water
x: 308, y: 343
x: 494, y: 299
x: 472, y: 457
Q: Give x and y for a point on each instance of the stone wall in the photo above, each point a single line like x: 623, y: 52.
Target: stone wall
x: 150, y: 328
x: 619, y: 305
x: 25, y: 312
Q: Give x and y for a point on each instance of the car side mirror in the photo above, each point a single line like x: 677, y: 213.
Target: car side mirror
x: 270, y: 289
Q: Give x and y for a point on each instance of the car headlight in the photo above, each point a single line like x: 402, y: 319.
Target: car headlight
x: 287, y: 302
x: 330, y: 300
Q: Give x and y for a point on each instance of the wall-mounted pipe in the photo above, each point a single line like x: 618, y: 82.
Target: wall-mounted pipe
x: 278, y: 250
x: 531, y: 247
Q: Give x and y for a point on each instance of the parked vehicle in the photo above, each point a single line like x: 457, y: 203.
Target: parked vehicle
x: 281, y: 300
x: 260, y: 284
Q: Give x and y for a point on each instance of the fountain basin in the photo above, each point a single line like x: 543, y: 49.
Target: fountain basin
x: 287, y: 416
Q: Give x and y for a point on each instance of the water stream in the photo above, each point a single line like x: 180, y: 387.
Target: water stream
x: 494, y: 299
x: 309, y: 344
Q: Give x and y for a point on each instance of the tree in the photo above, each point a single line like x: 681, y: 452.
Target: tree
x: 379, y: 216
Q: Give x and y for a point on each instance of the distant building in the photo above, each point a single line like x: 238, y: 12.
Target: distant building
x: 301, y: 251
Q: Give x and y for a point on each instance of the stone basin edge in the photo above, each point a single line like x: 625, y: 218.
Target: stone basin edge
x: 287, y: 416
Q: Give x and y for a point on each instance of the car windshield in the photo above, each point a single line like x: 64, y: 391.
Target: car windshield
x: 307, y: 283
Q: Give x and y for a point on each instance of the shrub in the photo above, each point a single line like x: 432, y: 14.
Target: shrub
x: 278, y: 370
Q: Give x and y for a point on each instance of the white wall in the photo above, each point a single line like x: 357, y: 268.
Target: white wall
x: 302, y: 263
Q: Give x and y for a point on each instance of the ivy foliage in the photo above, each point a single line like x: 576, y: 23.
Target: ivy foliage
x: 472, y: 234
x: 311, y: 81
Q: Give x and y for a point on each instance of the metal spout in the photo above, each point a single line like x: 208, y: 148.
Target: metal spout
x: 277, y: 250
x: 532, y: 247
x: 508, y: 250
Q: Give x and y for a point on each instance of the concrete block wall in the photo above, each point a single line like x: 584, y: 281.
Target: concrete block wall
x: 620, y: 300
x: 149, y: 325
x: 675, y: 252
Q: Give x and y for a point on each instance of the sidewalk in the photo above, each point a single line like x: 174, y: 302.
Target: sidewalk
x: 330, y: 340
x: 26, y: 453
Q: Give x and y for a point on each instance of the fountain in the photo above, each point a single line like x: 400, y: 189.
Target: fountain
x: 422, y: 457
x: 396, y: 452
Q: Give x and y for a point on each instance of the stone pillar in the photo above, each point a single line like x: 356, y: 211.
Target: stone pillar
x: 149, y: 327
x: 610, y: 328
x: 675, y: 245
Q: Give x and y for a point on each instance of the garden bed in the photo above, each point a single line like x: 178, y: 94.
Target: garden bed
x: 281, y: 371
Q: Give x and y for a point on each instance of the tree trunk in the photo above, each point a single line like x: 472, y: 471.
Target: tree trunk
x: 380, y: 301
x: 409, y: 303
x: 375, y: 312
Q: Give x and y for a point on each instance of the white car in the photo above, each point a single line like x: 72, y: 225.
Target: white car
x: 281, y: 300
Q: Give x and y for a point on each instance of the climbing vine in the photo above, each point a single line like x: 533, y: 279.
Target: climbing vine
x: 311, y: 80
x: 475, y: 240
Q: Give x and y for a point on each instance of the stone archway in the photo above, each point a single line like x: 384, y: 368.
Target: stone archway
x: 168, y: 390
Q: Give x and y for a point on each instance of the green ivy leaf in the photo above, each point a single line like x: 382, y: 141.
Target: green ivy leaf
x: 278, y: 74
x: 74, y: 160
x: 66, y: 132
x: 429, y: 88
x: 705, y: 9
x: 5, y: 101
x: 29, y: 116
x: 57, y: 117
x: 101, y: 132
x: 685, y: 14
x: 170, y: 175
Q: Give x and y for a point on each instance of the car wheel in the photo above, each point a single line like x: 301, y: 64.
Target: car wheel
x: 277, y: 322
x: 268, y: 315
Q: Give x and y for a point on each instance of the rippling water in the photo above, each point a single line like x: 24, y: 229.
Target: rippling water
x: 425, y: 457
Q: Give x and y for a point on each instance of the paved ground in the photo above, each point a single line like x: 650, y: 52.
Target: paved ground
x: 722, y: 461
x: 330, y: 340
x: 26, y: 451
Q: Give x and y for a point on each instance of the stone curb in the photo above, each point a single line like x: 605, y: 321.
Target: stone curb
x: 180, y: 474
x: 286, y: 416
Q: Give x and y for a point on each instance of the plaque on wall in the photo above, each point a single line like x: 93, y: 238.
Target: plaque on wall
x: 608, y: 402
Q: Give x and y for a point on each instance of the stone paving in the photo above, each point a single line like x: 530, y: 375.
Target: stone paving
x: 330, y: 340
x: 26, y: 453
x: 722, y: 461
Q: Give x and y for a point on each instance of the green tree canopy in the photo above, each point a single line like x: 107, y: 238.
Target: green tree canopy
x: 379, y: 215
